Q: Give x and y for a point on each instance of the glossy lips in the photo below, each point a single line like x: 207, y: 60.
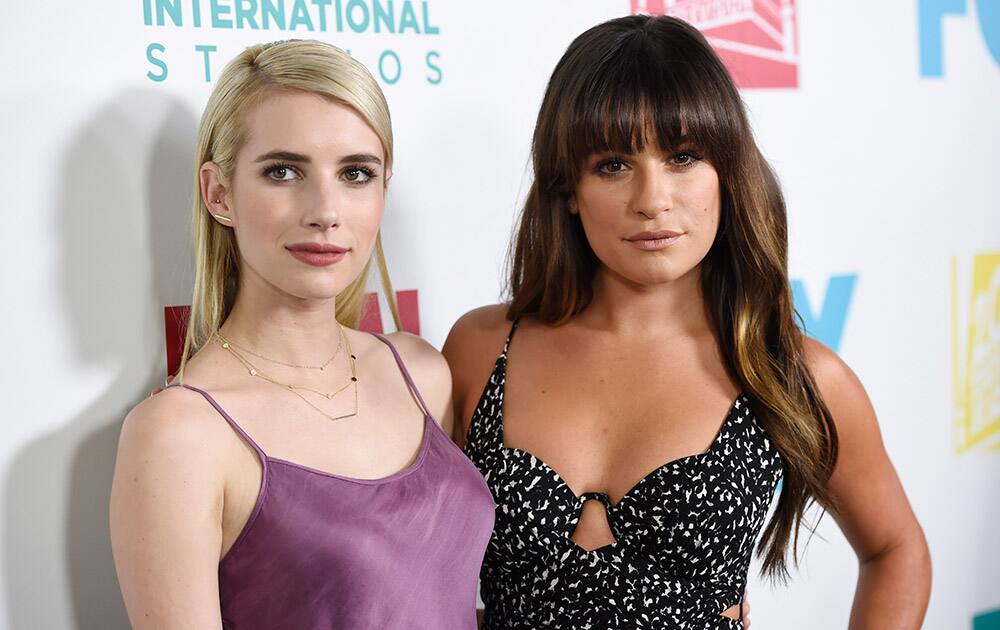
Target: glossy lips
x: 317, y: 254
x: 653, y: 241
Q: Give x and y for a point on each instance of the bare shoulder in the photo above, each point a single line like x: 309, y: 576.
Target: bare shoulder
x: 842, y: 390
x: 429, y: 371
x: 176, y: 424
x: 421, y: 357
x: 485, y: 319
x: 477, y: 334
x: 471, y: 349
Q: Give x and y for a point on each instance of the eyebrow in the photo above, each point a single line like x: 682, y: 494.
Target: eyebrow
x: 287, y: 156
x: 361, y: 157
x: 291, y: 156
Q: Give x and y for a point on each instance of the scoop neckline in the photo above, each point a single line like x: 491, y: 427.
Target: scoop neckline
x: 403, y: 472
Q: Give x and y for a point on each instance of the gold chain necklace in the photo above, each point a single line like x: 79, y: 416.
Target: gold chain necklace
x: 298, y: 389
x: 340, y: 343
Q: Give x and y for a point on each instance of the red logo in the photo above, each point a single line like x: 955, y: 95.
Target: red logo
x: 756, y: 39
x: 175, y: 320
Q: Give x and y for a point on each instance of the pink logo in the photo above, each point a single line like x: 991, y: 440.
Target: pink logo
x: 756, y: 39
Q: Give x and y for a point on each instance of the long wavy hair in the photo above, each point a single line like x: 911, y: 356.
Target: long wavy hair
x: 641, y: 79
x: 299, y: 65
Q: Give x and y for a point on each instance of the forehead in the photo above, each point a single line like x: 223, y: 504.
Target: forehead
x: 307, y: 123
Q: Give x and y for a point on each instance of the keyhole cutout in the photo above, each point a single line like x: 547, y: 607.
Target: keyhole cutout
x: 732, y: 612
x: 593, y: 530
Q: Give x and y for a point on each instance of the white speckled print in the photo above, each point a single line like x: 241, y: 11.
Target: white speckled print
x: 684, y: 534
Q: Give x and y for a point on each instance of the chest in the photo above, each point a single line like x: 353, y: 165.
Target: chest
x: 720, y: 494
x: 604, y: 418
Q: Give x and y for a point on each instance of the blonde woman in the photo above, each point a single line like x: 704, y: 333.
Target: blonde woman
x: 295, y: 476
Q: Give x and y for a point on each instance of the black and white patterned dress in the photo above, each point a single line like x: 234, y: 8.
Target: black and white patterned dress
x: 684, y: 534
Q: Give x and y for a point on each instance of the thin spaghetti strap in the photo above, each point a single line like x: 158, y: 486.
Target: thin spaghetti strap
x: 406, y: 375
x: 510, y: 335
x: 236, y: 427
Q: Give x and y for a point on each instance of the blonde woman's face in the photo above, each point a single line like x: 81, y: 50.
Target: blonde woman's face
x: 307, y: 194
x: 649, y: 217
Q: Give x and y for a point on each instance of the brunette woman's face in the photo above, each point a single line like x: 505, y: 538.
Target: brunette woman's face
x: 306, y: 196
x: 650, y: 217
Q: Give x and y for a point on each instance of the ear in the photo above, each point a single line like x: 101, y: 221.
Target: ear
x: 571, y: 204
x: 214, y: 192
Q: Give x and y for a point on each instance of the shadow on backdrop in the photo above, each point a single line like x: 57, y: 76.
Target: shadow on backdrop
x: 121, y: 226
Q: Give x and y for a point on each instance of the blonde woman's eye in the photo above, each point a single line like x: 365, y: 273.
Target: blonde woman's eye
x: 281, y: 173
x: 358, y: 175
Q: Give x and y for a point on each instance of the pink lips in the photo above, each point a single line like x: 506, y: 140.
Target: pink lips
x: 653, y: 241
x: 317, y: 254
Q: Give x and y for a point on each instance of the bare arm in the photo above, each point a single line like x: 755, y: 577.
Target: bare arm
x: 894, y: 562
x: 471, y: 349
x: 166, y: 516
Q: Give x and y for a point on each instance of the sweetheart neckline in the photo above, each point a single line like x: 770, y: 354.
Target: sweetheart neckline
x: 580, y: 498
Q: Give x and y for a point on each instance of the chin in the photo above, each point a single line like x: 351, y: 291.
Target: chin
x: 316, y: 291
x: 654, y: 275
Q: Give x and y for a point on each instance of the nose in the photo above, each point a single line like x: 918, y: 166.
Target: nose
x: 652, y: 193
x: 322, y: 206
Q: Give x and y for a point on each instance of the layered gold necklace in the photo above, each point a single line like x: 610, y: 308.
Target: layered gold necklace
x: 253, y: 370
x: 340, y: 344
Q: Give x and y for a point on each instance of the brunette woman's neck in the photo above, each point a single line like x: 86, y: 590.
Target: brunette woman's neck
x: 634, y: 310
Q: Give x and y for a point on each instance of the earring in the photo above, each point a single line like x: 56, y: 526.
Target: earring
x: 222, y: 217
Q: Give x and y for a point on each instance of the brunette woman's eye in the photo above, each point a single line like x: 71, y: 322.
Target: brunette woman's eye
x: 685, y: 159
x: 611, y: 167
x: 281, y: 173
x: 358, y: 174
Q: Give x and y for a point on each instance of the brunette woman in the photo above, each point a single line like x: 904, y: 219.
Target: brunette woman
x: 652, y: 388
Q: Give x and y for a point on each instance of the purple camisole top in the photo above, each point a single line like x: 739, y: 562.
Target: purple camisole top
x: 322, y: 551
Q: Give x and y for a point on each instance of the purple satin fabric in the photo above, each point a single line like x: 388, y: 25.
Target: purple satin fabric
x: 323, y: 552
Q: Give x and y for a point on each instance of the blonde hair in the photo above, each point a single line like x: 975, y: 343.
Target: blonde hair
x: 303, y: 65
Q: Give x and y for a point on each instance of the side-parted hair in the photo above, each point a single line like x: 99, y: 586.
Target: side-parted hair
x: 291, y: 65
x: 642, y: 79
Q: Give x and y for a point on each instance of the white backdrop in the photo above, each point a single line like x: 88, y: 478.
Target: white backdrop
x: 890, y: 167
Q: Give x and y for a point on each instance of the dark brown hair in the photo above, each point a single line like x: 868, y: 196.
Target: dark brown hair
x: 642, y: 79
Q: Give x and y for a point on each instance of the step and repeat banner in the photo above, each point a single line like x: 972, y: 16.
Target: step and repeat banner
x: 882, y: 120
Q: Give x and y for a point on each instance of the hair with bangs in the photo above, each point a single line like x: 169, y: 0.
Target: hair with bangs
x: 640, y: 79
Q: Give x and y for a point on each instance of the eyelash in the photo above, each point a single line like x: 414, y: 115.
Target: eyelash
x: 280, y: 166
x: 370, y: 173
x: 599, y: 168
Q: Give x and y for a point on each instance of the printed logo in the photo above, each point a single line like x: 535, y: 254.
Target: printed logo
x: 175, y: 320
x: 975, y: 351
x: 324, y: 19
x: 826, y: 324
x: 756, y: 39
x: 931, y: 25
x: 987, y: 621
